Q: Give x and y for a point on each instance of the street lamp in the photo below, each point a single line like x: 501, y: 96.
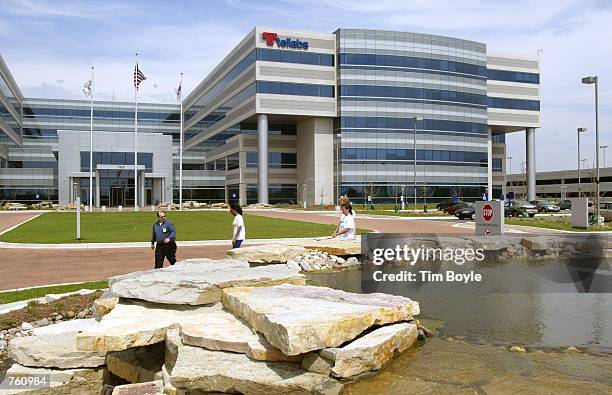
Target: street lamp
x: 580, y: 130
x: 594, y: 80
x: 414, y: 122
x: 603, y: 147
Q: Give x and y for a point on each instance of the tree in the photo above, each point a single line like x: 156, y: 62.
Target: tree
x: 424, y: 192
x: 371, y: 190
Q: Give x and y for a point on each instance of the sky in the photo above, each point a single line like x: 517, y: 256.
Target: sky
x: 50, y: 47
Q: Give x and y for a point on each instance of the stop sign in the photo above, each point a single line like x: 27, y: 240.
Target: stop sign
x: 487, y: 212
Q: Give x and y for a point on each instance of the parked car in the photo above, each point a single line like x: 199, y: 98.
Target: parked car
x: 567, y: 204
x: 451, y: 210
x: 442, y: 206
x: 544, y: 206
x: 468, y: 212
x: 521, y: 207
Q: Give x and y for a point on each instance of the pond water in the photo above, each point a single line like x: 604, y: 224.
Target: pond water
x: 561, y: 319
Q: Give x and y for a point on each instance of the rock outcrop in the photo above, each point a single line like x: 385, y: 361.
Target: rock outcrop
x: 198, y: 283
x: 299, y: 319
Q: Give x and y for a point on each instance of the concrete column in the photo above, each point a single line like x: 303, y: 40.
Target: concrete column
x: 489, y: 163
x: 242, y: 194
x: 531, y: 165
x: 262, y: 145
x: 315, y: 160
x: 97, y: 188
x: 143, y: 190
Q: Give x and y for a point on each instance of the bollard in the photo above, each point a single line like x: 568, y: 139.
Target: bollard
x: 78, y: 204
x: 120, y: 208
x: 103, y: 209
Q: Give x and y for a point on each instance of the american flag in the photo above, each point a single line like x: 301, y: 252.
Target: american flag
x: 138, y: 76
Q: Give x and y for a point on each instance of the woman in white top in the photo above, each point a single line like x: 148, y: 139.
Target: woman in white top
x: 346, y: 227
x: 239, y: 231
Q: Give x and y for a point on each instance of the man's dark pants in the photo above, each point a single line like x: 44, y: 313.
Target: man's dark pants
x: 167, y: 251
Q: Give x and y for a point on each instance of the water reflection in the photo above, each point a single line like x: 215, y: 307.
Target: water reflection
x: 536, y: 319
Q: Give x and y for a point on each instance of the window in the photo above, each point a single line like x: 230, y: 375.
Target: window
x: 287, y: 56
x: 288, y: 88
x: 513, y: 76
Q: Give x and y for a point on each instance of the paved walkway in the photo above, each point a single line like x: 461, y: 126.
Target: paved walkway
x: 22, y: 267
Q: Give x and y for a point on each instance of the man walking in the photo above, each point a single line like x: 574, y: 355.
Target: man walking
x: 164, y: 234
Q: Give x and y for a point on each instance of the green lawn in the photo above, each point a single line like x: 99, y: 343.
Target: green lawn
x: 113, y: 227
x: 561, y: 223
x: 15, y: 296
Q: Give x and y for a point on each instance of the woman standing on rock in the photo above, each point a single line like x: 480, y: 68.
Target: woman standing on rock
x: 346, y: 227
x: 239, y: 231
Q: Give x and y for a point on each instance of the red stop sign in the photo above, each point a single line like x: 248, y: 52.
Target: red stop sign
x: 487, y: 212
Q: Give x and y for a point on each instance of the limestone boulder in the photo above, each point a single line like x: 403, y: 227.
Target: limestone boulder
x: 103, y: 306
x: 199, y: 283
x: 137, y: 365
x: 372, y: 351
x: 267, y: 253
x: 60, y: 382
x: 199, y: 369
x: 222, y: 331
x: 132, y: 324
x: 299, y: 319
x: 54, y: 346
x: 335, y: 246
x: 203, y: 264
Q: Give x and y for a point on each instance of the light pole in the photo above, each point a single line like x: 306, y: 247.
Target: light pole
x: 414, y: 122
x: 594, y: 80
x: 580, y: 130
x: 603, y: 147
x: 510, y: 166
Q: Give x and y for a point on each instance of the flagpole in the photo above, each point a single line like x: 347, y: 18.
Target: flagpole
x: 181, y: 147
x: 91, y: 143
x: 136, y: 142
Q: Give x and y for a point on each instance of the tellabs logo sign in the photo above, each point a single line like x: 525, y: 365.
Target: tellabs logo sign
x: 272, y: 38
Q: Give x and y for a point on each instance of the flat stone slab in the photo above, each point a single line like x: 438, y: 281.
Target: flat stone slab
x: 54, y: 346
x: 198, y: 283
x: 282, y: 252
x: 299, y: 319
x: 372, y: 351
x: 61, y: 382
x: 136, y: 324
x: 137, y: 365
x: 222, y: 331
x: 267, y: 253
x: 197, y: 368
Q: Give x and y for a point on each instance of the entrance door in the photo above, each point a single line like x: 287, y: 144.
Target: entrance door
x: 117, y: 196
